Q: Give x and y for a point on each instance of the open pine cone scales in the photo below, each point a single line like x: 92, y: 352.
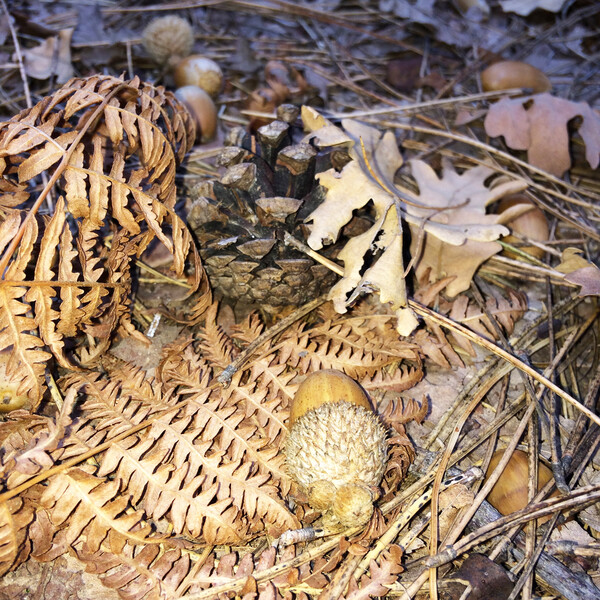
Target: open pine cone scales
x: 239, y: 219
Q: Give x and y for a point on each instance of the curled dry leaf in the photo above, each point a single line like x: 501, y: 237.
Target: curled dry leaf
x: 353, y: 188
x: 539, y: 124
x: 450, y: 210
x: 51, y: 57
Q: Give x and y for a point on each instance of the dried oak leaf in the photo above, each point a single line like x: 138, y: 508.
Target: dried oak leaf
x: 458, y: 234
x: 580, y: 272
x: 539, y: 124
x: 353, y: 188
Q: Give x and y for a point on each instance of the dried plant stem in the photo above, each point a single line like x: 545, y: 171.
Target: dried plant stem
x: 419, y: 106
x: 272, y: 572
x: 523, y: 341
x: 557, y: 276
x: 19, y: 54
x: 490, y: 481
x: 585, y: 495
x: 495, y: 349
x: 340, y: 580
x: 406, y: 516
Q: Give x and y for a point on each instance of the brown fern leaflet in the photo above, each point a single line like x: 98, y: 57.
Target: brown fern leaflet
x: 103, y: 152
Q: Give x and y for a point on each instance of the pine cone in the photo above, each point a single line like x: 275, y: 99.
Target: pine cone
x: 239, y: 220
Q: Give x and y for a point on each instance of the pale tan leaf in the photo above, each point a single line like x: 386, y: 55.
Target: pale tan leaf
x: 441, y: 196
x: 526, y: 7
x: 588, y: 278
x: 571, y: 260
x: 458, y: 239
x: 51, y: 57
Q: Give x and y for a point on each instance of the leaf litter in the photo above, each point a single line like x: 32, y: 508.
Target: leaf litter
x: 163, y: 483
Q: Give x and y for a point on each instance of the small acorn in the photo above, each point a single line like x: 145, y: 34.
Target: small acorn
x: 168, y: 39
x: 202, y: 108
x: 336, y: 449
x: 509, y: 74
x: 201, y: 71
x: 533, y: 225
x: 510, y: 492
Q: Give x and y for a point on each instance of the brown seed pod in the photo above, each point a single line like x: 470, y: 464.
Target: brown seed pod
x: 509, y: 74
x: 510, y: 492
x: 168, y: 39
x: 201, y: 71
x: 336, y: 449
x: 321, y: 494
x: 202, y: 108
x: 533, y: 225
x: 353, y: 504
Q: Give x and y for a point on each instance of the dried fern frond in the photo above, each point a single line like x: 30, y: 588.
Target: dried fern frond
x: 211, y: 465
x: 462, y: 309
x: 103, y: 152
x: 358, y: 346
x: 81, y: 505
x: 15, y: 516
x: 206, y: 469
x: 138, y: 571
x: 506, y: 312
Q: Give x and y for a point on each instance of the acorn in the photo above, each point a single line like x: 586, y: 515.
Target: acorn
x: 202, y: 108
x: 337, y: 447
x: 509, y: 74
x: 509, y: 495
x: 533, y: 225
x: 201, y: 71
x: 168, y: 39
